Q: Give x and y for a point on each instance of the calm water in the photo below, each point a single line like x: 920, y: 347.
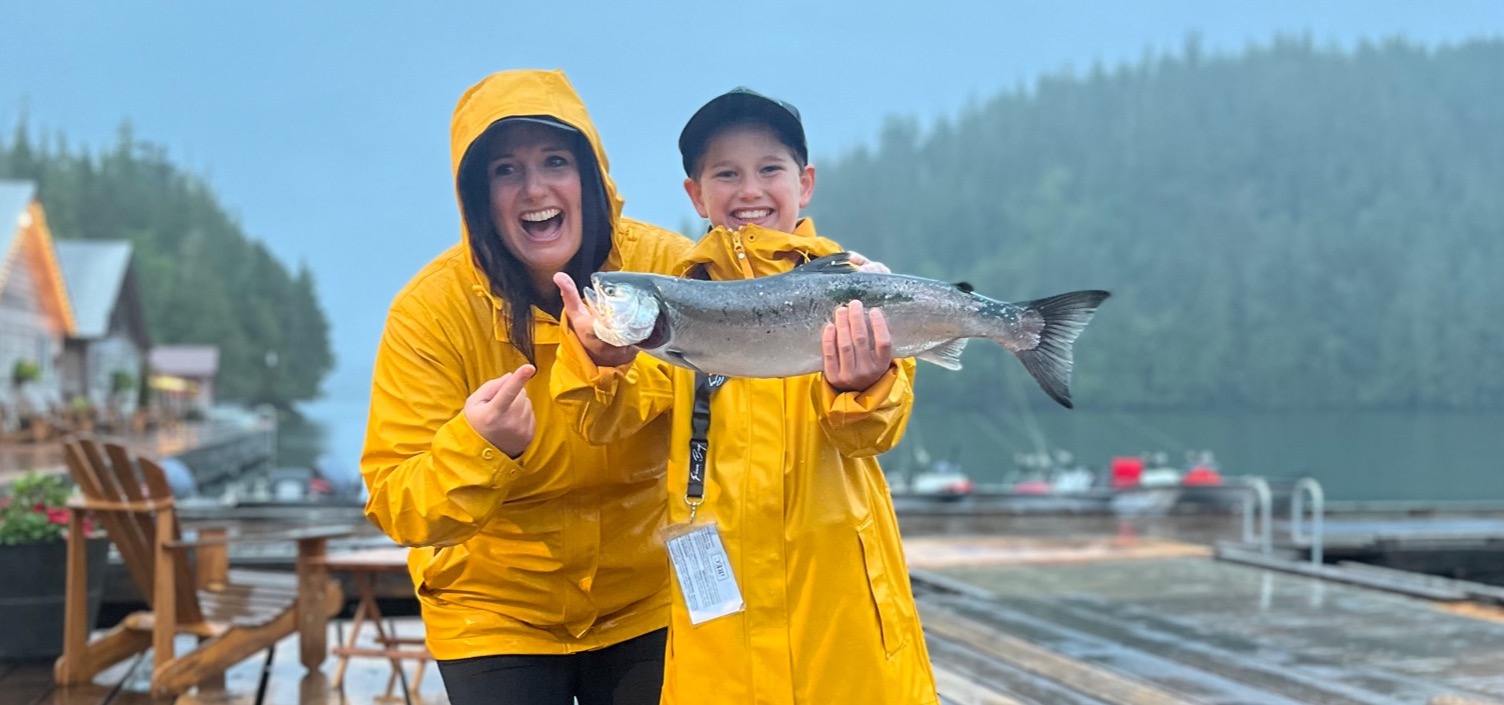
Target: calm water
x: 1356, y: 456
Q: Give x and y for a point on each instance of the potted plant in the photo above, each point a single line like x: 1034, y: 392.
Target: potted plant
x: 24, y: 371
x: 34, y: 560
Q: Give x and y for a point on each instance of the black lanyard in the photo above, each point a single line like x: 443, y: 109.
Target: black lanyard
x: 699, y: 441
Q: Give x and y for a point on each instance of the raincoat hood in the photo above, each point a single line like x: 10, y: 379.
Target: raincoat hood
x: 528, y: 93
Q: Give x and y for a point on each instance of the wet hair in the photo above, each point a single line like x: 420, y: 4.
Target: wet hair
x: 783, y: 136
x: 508, y: 278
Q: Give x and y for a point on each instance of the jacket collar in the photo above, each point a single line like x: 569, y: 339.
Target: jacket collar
x: 753, y: 251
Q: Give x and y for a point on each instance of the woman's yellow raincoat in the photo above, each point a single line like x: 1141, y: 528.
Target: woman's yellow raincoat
x: 551, y: 553
x: 801, y: 504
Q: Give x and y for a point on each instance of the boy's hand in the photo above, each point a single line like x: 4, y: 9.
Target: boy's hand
x: 602, y: 353
x: 855, y: 359
x: 866, y: 265
x: 501, y: 412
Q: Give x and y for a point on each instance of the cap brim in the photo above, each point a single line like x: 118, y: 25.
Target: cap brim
x: 541, y: 120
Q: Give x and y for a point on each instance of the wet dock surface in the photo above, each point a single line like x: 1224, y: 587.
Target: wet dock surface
x: 1071, y: 610
x: 1196, y: 630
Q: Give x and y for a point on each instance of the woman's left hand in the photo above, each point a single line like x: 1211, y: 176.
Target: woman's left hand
x: 858, y: 348
x: 582, y: 321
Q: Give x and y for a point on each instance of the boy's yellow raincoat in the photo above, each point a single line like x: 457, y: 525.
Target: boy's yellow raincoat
x: 551, y: 553
x: 801, y: 503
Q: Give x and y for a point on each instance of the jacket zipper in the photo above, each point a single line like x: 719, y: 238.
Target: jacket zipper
x: 741, y: 254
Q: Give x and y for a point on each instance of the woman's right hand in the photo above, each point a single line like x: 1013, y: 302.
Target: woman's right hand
x: 602, y: 353
x: 501, y: 413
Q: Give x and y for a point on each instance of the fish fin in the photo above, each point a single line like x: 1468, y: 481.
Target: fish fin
x: 838, y: 263
x: 965, y: 287
x: 1065, y: 316
x: 683, y: 361
x: 947, y: 355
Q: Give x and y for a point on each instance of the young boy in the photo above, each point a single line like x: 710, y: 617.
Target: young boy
x: 779, y: 474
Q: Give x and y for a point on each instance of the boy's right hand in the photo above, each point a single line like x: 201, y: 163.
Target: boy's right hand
x: 582, y: 321
x: 501, y: 412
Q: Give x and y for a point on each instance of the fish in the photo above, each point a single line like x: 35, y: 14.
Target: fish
x: 770, y: 327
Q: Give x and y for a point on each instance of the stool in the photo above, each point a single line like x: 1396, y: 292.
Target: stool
x: 363, y: 567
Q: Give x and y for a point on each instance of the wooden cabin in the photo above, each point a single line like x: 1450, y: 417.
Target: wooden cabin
x: 36, y: 317
x: 104, y: 362
x: 183, y: 377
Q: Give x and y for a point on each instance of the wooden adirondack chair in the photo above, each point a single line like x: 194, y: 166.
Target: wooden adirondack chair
x: 234, y: 613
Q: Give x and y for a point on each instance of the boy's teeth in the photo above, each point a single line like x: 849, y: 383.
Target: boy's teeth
x: 753, y: 214
x: 540, y: 216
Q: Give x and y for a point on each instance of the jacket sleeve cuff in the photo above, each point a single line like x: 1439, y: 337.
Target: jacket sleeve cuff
x: 844, y: 407
x: 580, y: 370
x: 460, y: 448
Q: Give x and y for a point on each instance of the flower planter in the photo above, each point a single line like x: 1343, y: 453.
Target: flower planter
x: 32, y: 595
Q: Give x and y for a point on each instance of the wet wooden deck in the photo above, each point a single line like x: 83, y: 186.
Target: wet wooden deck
x: 1076, y: 622
x: 272, y: 677
x: 173, y: 441
x: 1126, y: 617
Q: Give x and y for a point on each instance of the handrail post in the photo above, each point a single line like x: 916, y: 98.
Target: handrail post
x: 1261, y: 496
x: 1297, y: 515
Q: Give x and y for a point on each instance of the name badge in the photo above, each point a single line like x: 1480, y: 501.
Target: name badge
x: 704, y: 574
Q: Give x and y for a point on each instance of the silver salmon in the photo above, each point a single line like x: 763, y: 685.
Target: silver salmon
x: 772, y: 326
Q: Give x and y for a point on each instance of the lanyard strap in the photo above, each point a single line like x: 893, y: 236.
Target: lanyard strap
x: 699, y: 441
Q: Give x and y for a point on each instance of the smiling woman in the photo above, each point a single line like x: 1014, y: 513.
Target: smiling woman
x: 533, y: 550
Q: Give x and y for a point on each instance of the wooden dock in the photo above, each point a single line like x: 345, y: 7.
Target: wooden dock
x: 213, y: 451
x: 1084, y: 611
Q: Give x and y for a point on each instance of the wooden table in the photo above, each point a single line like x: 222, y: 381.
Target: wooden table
x: 363, y: 567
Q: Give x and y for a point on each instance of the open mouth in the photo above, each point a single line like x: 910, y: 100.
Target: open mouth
x: 543, y: 225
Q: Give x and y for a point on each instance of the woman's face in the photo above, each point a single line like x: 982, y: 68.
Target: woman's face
x: 535, y: 198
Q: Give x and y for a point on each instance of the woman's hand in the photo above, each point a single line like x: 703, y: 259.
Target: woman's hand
x: 602, y: 353
x: 501, y: 412
x: 855, y: 359
x: 866, y: 265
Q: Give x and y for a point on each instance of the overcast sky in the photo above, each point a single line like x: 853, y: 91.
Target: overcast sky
x: 324, y: 125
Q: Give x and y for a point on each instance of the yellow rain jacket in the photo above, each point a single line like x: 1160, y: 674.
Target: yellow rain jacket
x: 551, y: 553
x: 802, y: 506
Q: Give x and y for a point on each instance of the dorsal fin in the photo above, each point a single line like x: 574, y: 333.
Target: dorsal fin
x: 838, y: 263
x: 965, y: 287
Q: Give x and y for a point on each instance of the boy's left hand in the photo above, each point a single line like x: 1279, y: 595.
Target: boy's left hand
x: 856, y: 356
x: 866, y: 265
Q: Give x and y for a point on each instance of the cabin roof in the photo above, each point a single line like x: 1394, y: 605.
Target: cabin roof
x: 192, y: 361
x: 94, y: 271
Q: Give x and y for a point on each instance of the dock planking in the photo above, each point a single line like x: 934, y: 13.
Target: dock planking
x: 1190, y: 629
x: 1114, y: 619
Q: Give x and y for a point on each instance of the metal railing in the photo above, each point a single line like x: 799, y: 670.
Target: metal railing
x: 1261, y: 498
x: 1297, y: 515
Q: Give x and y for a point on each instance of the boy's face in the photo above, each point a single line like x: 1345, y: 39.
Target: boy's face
x: 748, y: 176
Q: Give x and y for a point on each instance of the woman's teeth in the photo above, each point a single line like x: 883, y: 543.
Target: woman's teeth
x: 540, y: 216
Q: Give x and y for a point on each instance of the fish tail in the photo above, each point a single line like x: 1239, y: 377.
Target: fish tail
x: 1065, y: 316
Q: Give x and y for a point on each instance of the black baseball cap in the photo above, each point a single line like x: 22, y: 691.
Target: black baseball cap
x: 737, y: 104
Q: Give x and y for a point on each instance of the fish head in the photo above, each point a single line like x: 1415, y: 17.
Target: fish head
x: 626, y: 309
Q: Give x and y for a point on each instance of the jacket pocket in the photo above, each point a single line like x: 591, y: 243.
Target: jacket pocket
x: 883, y: 572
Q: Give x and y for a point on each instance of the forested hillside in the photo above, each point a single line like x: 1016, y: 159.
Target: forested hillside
x: 1291, y: 227
x: 203, y: 279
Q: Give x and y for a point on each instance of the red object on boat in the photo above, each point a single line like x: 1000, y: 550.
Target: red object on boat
x: 1032, y: 487
x: 1201, y: 475
x: 1127, y: 471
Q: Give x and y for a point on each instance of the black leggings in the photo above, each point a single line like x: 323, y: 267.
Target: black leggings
x: 629, y: 673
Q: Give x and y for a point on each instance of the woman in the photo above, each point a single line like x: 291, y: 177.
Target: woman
x: 533, y: 552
